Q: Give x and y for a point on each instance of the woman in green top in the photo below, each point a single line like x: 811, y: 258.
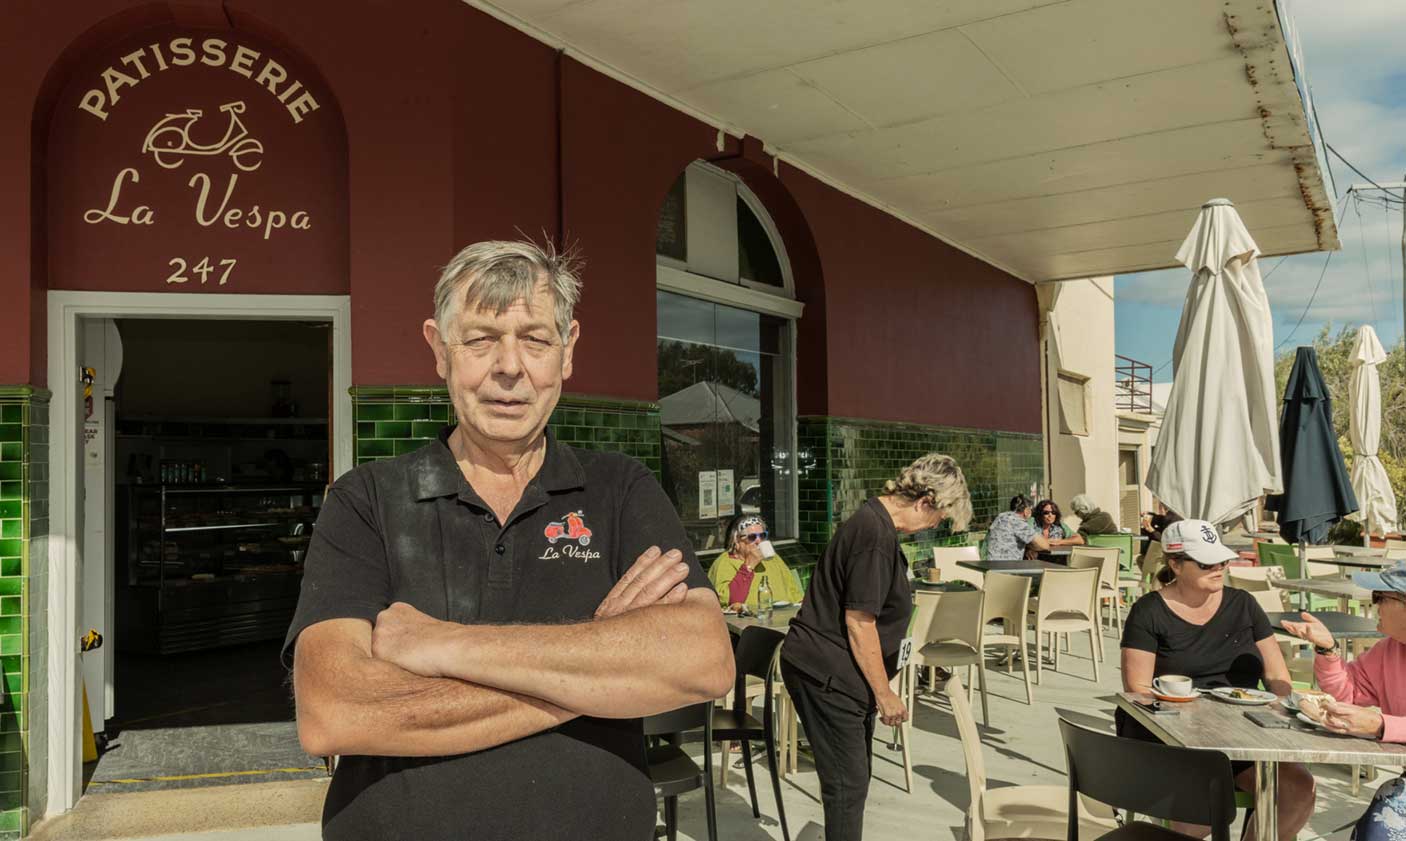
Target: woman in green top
x: 737, y: 573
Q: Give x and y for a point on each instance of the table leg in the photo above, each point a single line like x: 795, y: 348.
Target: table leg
x: 1266, y: 801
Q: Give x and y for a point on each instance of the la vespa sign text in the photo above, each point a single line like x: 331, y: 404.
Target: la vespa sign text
x: 214, y: 136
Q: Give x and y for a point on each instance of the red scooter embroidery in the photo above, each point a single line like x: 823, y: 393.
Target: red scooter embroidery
x: 573, y: 529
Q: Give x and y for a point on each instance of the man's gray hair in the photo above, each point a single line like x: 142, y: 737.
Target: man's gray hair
x: 495, y: 274
x: 1083, y: 505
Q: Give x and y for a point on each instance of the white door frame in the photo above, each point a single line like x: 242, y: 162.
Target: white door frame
x: 65, y: 702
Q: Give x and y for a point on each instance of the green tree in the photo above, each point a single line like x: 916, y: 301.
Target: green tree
x: 1335, y: 361
x: 682, y: 364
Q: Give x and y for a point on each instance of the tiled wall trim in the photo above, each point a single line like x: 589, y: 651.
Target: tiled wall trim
x: 394, y: 420
x: 844, y: 461
x: 24, y: 528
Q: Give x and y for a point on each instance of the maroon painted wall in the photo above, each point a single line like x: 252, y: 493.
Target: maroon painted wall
x: 621, y: 151
x: 929, y: 333
x: 458, y: 128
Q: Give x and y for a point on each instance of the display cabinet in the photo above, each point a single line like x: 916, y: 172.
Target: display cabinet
x: 213, y: 565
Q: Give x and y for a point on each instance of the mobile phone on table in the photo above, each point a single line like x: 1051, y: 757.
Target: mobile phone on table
x: 1264, y: 718
x: 1158, y: 708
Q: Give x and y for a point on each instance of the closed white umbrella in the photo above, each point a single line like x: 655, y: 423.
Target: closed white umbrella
x: 1375, y: 497
x: 1218, y: 450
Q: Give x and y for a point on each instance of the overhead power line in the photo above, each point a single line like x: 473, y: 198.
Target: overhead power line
x: 1360, y: 172
x: 1311, y: 299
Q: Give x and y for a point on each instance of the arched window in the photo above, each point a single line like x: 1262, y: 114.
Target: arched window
x: 726, y: 358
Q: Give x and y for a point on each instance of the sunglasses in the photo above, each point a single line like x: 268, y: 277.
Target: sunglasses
x: 1205, y: 567
x: 1379, y: 596
x: 753, y: 537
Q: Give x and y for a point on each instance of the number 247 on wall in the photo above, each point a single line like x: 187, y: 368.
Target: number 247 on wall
x: 203, y: 269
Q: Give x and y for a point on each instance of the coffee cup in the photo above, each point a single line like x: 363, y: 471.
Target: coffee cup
x: 1177, y: 686
x: 934, y: 575
x: 768, y: 551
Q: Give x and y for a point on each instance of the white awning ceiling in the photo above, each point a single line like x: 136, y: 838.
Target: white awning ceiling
x: 1053, y: 138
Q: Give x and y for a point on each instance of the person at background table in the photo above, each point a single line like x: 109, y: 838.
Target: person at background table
x: 842, y: 647
x: 1153, y: 561
x: 1370, y: 692
x: 1049, y: 522
x: 1011, y: 536
x: 737, y: 573
x: 1092, y: 519
x: 1217, y: 636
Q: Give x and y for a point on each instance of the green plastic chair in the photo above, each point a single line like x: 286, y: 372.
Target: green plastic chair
x: 1123, y: 542
x: 1280, y: 555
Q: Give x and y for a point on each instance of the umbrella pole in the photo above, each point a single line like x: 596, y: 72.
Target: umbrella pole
x: 1303, y: 570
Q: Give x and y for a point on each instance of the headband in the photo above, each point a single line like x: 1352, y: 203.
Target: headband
x: 742, y: 524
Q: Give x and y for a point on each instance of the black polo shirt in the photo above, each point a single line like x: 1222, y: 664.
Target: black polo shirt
x: 862, y: 569
x: 412, y: 529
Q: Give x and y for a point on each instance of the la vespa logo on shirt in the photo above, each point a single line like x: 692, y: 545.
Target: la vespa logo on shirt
x: 211, y: 143
x: 572, y: 530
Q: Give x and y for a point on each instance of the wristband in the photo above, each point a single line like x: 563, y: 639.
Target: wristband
x: 1327, y: 652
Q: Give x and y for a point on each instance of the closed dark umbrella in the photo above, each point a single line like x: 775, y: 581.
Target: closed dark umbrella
x: 1317, y: 490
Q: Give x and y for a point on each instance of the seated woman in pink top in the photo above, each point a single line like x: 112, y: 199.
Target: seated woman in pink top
x: 1370, y: 692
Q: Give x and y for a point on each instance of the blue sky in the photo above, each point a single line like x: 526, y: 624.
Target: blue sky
x: 1356, y: 64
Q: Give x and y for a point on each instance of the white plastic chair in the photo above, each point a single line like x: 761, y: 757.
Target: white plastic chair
x: 1027, y: 811
x: 1105, y: 559
x: 948, y: 632
x: 1066, y: 606
x: 1008, y: 602
x: 946, y: 559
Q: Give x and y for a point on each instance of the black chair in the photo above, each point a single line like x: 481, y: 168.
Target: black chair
x: 1148, y: 778
x: 756, y: 648
x: 673, y: 771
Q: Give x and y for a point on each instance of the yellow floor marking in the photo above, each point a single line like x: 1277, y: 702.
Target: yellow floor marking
x: 180, y: 777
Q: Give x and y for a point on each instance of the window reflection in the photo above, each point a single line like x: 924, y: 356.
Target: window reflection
x: 725, y: 416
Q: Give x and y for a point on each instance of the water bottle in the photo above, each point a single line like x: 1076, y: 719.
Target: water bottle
x: 764, y: 601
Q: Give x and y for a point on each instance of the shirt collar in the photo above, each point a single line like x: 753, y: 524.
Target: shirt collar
x: 882, y: 512
x: 435, y: 472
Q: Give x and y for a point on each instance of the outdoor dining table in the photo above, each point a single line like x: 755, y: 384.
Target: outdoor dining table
x: 1341, y: 589
x: 1210, y: 724
x: 1343, y: 626
x: 780, y: 619
x: 1013, y: 567
x: 1364, y: 561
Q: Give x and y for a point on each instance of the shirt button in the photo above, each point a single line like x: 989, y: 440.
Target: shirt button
x: 488, y: 518
x: 500, y: 548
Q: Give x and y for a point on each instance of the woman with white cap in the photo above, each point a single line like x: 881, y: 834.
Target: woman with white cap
x: 1195, y: 627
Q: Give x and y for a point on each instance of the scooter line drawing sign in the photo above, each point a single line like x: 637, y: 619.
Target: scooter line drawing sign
x: 169, y: 140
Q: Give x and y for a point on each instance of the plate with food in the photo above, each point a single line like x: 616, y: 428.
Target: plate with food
x: 1295, y: 700
x: 1248, y: 697
x: 1312, y: 711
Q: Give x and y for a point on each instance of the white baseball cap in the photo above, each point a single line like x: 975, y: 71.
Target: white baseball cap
x: 1198, y: 540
